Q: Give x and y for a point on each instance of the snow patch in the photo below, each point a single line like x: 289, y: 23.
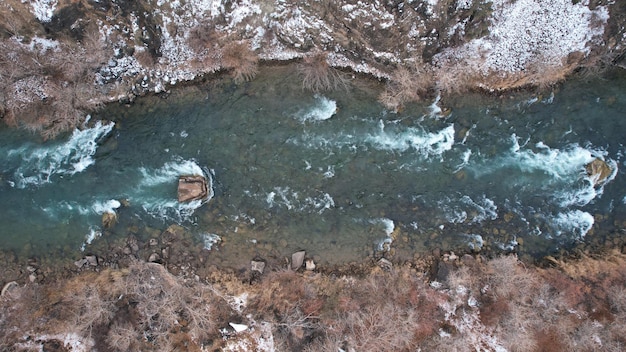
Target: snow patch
x: 525, y: 32
x: 43, y: 9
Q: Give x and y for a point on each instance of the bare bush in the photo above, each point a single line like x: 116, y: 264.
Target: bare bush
x: 241, y: 60
x: 65, y: 89
x: 407, y: 84
x: 317, y: 75
x: 123, y: 337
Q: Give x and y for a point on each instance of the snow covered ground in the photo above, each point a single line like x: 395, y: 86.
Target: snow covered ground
x: 366, y: 36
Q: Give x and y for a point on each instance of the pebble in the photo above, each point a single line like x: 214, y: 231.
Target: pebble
x: 310, y: 265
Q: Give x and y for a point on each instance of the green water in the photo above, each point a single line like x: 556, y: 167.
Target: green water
x: 335, y: 173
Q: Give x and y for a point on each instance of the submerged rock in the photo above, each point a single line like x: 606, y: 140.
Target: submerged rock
x: 192, y: 188
x: 598, y: 171
x: 109, y: 219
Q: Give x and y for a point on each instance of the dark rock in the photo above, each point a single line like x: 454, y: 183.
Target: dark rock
x: 443, y: 271
x: 192, y: 188
x: 92, y: 260
x: 80, y: 263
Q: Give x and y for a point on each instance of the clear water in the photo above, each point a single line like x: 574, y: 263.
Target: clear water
x: 335, y: 174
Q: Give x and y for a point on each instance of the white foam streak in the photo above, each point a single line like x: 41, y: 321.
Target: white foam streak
x: 435, y: 109
x: 388, y: 227
x: 108, y: 206
x: 169, y: 172
x: 94, y: 233
x: 558, y: 163
x: 324, y: 109
x: 170, y: 209
x: 423, y: 142
x: 285, y: 197
x: 73, y: 156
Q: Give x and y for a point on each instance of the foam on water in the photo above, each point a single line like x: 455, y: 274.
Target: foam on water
x: 460, y: 210
x: 108, y: 206
x: 558, y: 163
x: 210, y: 239
x: 323, y: 109
x: 388, y: 226
x: 285, y: 197
x: 575, y: 222
x: 94, y: 232
x: 475, y: 242
x: 164, y: 180
x: 435, y: 109
x: 169, y: 172
x: 425, y: 143
x: 384, y: 136
x: 39, y: 164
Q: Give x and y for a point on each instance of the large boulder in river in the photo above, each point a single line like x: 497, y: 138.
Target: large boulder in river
x: 192, y: 188
x: 109, y: 219
x: 598, y: 170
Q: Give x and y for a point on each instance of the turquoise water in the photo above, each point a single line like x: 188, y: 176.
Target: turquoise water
x: 334, y: 173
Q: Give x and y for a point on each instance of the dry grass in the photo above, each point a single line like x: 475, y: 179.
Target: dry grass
x: 241, y: 60
x: 407, y: 84
x: 579, y: 306
x: 317, y: 75
x: 50, y: 90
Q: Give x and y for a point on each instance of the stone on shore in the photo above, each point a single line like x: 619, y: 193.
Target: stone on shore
x: 257, y: 265
x: 192, y: 188
x: 297, y: 259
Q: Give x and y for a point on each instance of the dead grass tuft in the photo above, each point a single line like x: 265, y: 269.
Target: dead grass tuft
x: 317, y: 75
x: 409, y: 83
x: 241, y: 60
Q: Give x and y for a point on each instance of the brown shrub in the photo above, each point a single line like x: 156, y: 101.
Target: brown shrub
x: 407, y: 84
x: 549, y: 340
x: 202, y: 36
x: 241, y: 60
x: 317, y: 75
x: 65, y: 89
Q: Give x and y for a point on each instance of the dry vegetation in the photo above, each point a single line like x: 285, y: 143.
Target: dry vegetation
x: 317, y: 75
x: 409, y: 83
x: 240, y: 60
x: 501, y: 304
x: 46, y: 86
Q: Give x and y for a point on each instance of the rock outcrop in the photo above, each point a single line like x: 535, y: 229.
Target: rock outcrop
x: 598, y: 171
x: 192, y: 188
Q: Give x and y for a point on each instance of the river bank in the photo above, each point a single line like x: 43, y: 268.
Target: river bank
x: 442, y: 303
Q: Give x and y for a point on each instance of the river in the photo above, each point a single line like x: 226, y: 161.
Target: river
x: 333, y: 173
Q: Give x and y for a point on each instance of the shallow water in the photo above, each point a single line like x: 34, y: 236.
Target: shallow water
x: 335, y: 173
